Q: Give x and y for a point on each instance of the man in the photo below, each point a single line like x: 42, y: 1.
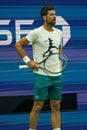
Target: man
x: 47, y: 85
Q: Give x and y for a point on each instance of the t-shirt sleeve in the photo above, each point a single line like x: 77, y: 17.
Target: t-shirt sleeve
x: 32, y: 36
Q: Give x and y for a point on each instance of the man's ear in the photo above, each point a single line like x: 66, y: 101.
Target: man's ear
x: 44, y: 17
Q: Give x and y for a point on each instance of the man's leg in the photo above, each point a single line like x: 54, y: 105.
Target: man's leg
x: 34, y: 114
x: 55, y: 115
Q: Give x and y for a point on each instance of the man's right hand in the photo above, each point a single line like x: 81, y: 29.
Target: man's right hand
x: 32, y: 64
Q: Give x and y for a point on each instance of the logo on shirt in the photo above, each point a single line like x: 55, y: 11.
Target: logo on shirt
x: 50, y: 48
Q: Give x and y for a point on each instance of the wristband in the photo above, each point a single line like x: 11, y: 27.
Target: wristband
x: 26, y: 59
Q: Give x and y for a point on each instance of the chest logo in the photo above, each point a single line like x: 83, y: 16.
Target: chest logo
x: 50, y: 48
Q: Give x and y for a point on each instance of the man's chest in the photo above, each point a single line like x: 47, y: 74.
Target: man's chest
x: 49, y: 40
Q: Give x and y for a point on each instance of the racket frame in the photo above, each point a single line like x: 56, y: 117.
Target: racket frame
x: 44, y: 60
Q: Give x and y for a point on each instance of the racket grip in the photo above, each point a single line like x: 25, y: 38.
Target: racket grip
x: 23, y: 66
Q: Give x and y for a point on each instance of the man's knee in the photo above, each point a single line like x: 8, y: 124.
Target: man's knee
x: 37, y: 106
x: 55, y: 105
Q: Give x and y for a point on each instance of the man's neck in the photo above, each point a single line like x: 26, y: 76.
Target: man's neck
x: 48, y: 28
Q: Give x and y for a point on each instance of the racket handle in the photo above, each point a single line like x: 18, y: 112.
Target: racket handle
x: 23, y: 66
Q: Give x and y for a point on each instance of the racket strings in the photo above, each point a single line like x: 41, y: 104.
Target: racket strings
x: 56, y: 65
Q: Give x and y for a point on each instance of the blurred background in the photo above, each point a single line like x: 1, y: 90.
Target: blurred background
x: 17, y: 18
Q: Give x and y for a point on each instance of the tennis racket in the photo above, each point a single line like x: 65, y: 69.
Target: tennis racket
x: 48, y: 64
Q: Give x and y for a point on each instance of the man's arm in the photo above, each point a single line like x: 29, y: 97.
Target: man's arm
x: 60, y: 53
x: 20, y: 49
x: 60, y: 50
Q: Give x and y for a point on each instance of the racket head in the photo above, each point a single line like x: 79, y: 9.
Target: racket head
x: 64, y: 59
x: 54, y: 63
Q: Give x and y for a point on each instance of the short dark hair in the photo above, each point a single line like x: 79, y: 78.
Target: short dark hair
x: 45, y: 10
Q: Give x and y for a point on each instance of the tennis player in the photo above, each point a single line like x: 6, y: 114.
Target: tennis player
x: 45, y: 40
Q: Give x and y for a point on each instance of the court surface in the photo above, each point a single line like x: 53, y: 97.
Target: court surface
x: 70, y: 121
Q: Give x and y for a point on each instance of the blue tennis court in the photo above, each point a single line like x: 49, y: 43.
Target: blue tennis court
x: 70, y: 121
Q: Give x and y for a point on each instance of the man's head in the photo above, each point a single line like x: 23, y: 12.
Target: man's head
x: 48, y: 15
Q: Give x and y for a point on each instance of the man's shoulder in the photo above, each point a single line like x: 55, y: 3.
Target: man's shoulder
x: 35, y: 31
x: 38, y: 29
x: 58, y: 30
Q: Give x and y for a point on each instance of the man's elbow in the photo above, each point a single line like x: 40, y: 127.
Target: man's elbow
x: 17, y: 45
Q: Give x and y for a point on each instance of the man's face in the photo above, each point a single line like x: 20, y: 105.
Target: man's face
x: 50, y: 18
